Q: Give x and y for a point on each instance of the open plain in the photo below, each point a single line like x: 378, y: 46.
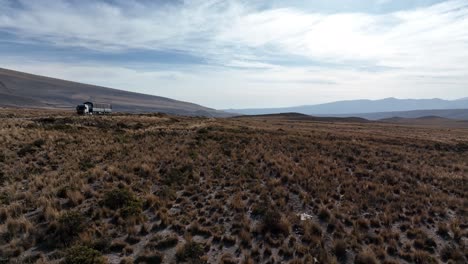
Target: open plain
x: 157, y: 188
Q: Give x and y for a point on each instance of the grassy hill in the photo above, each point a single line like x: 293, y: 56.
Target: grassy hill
x: 303, y: 117
x: 434, y: 121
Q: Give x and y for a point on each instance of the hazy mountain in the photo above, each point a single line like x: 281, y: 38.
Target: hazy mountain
x: 460, y: 114
x: 350, y: 108
x: 18, y: 89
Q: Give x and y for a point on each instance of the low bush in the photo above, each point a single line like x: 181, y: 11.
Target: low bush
x: 83, y: 255
x: 125, y: 200
x: 70, y: 224
x: 178, y: 176
x: 133, y: 209
x: 118, y: 198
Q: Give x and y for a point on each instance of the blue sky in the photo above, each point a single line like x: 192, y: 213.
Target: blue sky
x: 241, y: 53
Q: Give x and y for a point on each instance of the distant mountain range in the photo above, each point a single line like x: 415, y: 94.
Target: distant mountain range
x: 384, y: 108
x: 18, y: 89
x: 457, y: 114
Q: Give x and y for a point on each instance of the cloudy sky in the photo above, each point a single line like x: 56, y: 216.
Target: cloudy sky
x: 245, y: 53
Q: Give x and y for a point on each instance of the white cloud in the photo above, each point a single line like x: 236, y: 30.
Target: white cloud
x: 423, y: 51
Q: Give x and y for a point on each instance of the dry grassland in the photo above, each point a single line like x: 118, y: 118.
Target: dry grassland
x: 166, y: 189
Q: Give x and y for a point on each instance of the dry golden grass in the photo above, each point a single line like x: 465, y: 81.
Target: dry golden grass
x: 158, y: 188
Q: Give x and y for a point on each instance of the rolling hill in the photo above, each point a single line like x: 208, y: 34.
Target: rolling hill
x: 303, y: 117
x: 431, y: 121
x: 18, y: 89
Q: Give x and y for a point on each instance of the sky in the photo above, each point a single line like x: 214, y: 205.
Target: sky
x: 245, y: 53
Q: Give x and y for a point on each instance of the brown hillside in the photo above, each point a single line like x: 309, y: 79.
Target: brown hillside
x: 18, y: 89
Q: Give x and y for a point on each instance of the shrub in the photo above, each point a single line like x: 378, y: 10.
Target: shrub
x: 340, y: 249
x: 118, y: 198
x: 178, y: 176
x: 70, y: 224
x: 133, y: 209
x: 83, y: 255
x: 190, y: 252
x: 324, y: 214
x: 274, y: 223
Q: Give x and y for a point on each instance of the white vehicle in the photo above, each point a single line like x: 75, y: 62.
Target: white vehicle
x: 89, y: 108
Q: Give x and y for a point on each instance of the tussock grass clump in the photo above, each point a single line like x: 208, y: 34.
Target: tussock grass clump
x: 162, y: 243
x: 365, y: 257
x: 191, y: 252
x: 275, y: 223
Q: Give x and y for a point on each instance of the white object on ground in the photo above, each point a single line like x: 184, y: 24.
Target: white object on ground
x: 304, y: 216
